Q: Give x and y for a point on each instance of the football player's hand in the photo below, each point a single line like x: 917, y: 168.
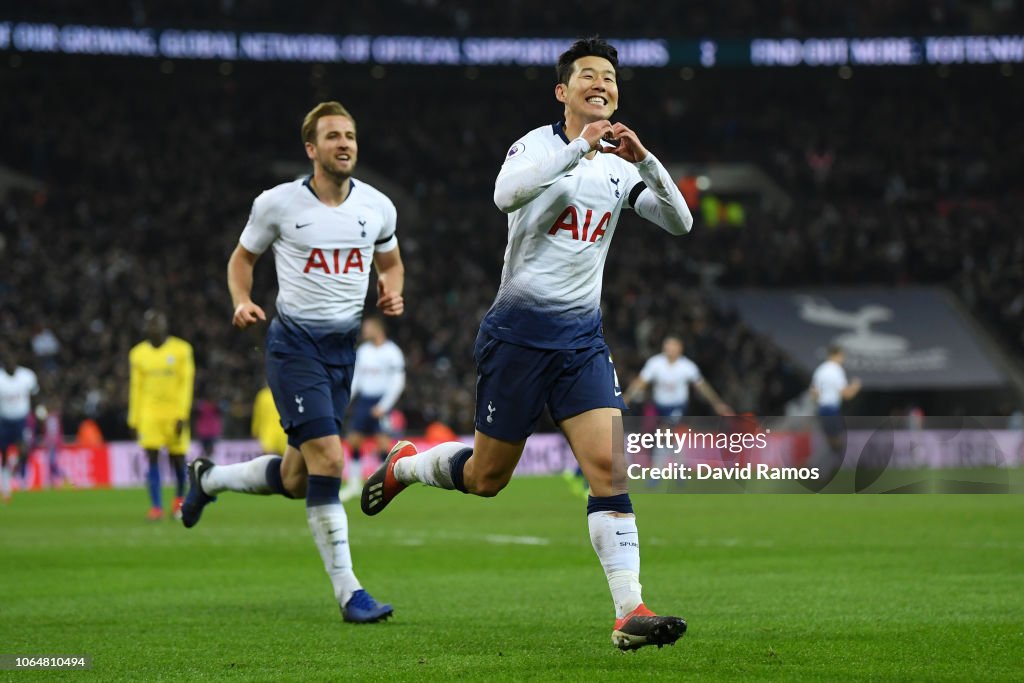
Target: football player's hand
x: 389, y: 302
x: 724, y: 410
x: 377, y: 412
x: 628, y: 144
x: 595, y: 131
x: 247, y: 314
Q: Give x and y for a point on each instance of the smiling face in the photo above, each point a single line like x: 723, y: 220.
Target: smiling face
x: 592, y: 93
x: 335, y: 148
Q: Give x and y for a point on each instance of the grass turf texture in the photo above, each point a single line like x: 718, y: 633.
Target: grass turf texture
x: 780, y: 587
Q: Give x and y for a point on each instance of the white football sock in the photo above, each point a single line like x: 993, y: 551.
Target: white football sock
x: 617, y: 543
x: 329, y: 525
x: 432, y: 467
x: 355, y: 472
x: 244, y: 477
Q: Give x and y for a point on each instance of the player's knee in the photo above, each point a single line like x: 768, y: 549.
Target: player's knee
x: 295, y: 485
x: 599, y: 472
x: 323, y: 452
x: 489, y: 485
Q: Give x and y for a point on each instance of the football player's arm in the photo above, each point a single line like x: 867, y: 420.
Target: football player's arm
x: 395, y: 388
x: 240, y: 269
x: 635, y: 390
x: 33, y: 393
x: 526, y: 174
x: 639, y: 385
x: 653, y: 194
x: 260, y: 232
x: 851, y: 390
x: 390, y: 281
x: 658, y: 199
x: 712, y: 397
x: 387, y: 260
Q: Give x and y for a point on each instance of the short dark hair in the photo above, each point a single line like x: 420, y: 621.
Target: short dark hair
x: 585, y: 47
x: 834, y: 349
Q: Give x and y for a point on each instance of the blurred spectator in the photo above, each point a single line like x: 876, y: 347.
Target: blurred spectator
x: 146, y: 196
x: 46, y: 346
x: 208, y: 425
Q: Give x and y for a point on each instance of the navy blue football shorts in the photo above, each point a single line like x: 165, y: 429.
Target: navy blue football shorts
x: 310, y: 395
x: 514, y: 383
x: 670, y: 414
x: 831, y: 420
x: 362, y: 419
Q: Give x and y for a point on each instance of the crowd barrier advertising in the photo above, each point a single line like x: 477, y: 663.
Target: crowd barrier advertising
x: 124, y: 464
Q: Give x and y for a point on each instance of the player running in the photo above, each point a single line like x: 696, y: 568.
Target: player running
x: 563, y: 187
x: 324, y: 229
x: 17, y: 387
x: 378, y: 382
x: 671, y: 373
x: 829, y: 388
x: 160, y: 403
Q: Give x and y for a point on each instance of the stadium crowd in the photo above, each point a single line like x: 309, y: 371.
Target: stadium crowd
x: 146, y: 173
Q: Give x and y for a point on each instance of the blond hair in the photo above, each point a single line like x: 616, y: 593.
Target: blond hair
x: 318, y: 112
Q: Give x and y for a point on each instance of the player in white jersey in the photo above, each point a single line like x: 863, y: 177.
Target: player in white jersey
x: 378, y: 382
x: 563, y: 187
x: 670, y: 373
x: 829, y: 388
x: 17, y: 387
x: 325, y: 231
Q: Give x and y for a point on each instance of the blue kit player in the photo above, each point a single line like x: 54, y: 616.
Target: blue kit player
x: 563, y: 187
x: 325, y: 231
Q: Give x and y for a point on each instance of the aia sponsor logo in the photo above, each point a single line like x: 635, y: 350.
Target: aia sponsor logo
x: 329, y: 261
x: 579, y: 229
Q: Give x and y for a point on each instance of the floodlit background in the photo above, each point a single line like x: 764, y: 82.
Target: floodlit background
x: 855, y: 172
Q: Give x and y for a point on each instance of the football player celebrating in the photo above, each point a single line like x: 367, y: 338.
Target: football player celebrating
x: 563, y: 187
x: 324, y: 229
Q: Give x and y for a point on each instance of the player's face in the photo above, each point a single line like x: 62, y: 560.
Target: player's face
x: 336, y: 147
x: 673, y: 348
x: 592, y: 93
x: 154, y: 326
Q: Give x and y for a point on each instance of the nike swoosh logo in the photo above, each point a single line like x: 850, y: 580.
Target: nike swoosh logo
x: 333, y: 531
x: 624, y: 533
x: 618, y: 393
x: 300, y: 226
x: 567, y: 175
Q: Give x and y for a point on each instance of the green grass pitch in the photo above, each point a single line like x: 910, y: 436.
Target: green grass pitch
x: 914, y: 587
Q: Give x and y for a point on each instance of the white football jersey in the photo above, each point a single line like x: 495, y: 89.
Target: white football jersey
x: 670, y: 381
x: 550, y: 293
x: 323, y: 254
x: 829, y: 380
x: 16, y: 393
x: 379, y: 373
